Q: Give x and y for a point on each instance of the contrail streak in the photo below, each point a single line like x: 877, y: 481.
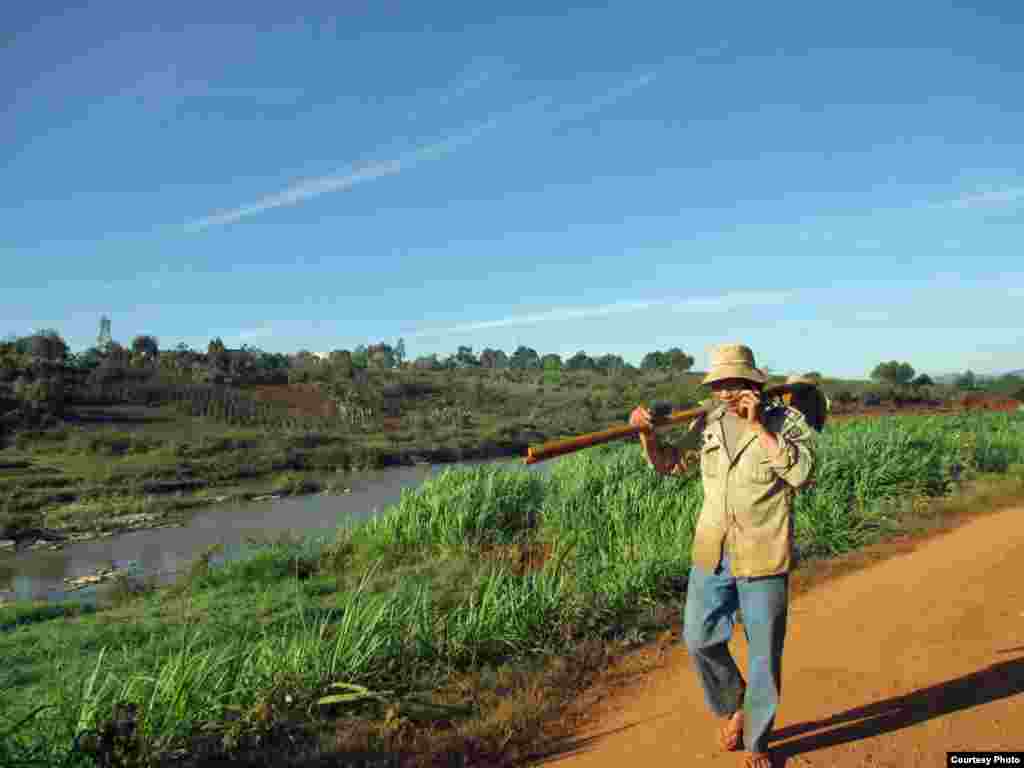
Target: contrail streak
x: 705, y: 304
x: 316, y: 187
x: 307, y: 190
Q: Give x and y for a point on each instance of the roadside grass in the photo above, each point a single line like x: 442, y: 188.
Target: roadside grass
x: 461, y: 619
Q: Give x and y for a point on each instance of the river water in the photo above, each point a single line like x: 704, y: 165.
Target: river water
x: 162, y: 553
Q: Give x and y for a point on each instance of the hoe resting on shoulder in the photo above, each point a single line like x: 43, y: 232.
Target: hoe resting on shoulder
x: 806, y: 398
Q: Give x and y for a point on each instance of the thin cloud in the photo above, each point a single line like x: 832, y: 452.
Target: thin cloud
x: 610, y: 97
x: 472, y: 79
x: 871, y: 317
x: 868, y: 244
x: 255, y: 333
x: 465, y: 85
x: 711, y: 52
x: 988, y: 198
x: 315, y: 187
x: 308, y: 190
x: 722, y: 303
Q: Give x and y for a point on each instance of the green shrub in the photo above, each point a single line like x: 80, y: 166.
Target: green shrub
x: 110, y: 443
x: 295, y: 483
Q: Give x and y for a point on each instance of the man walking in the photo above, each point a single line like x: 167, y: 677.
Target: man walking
x: 753, y: 458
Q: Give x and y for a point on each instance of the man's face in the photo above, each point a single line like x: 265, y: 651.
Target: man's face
x: 729, y: 391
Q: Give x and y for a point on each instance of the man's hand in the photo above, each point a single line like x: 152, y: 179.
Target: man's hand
x: 750, y: 407
x: 640, y: 417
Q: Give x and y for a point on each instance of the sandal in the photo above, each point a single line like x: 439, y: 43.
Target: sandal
x: 730, y: 736
x: 757, y: 760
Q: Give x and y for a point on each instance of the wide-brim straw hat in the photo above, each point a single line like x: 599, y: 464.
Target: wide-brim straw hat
x: 733, y: 361
x: 796, y: 379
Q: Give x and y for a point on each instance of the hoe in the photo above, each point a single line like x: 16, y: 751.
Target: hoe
x: 802, y: 395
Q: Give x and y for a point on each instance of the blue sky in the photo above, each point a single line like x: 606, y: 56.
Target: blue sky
x: 833, y: 184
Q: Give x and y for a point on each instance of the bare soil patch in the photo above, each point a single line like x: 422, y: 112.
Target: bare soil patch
x: 301, y: 399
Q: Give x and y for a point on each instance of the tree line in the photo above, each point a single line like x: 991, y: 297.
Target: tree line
x: 39, y: 373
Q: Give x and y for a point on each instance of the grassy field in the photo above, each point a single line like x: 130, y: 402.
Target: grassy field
x: 118, y: 467
x: 459, y: 621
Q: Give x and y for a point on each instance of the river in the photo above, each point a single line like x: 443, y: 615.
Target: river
x: 163, y: 552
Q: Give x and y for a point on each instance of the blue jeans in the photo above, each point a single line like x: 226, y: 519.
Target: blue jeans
x: 708, y: 618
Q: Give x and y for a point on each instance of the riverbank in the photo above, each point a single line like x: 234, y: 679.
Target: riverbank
x: 162, y: 553
x: 65, y: 485
x: 471, y: 613
x: 69, y: 484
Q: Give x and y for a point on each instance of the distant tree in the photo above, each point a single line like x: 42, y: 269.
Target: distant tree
x: 580, y: 362
x: 653, y: 361
x: 465, y: 358
x: 145, y: 347
x: 360, y: 357
x: 893, y: 372
x: 922, y: 380
x: 217, y: 363
x: 493, y: 358
x: 610, y: 363
x: 87, y: 359
x: 814, y: 376
x: 525, y: 357
x: 427, y: 363
x: 47, y: 345
x: 551, y: 362
x: 380, y: 356
x: 678, y: 360
x: 116, y: 356
x: 272, y: 361
x: 215, y: 347
x: 673, y: 359
x: 967, y: 381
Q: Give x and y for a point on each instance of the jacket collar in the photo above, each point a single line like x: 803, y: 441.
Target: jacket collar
x: 715, y: 422
x: 748, y: 437
x: 716, y: 413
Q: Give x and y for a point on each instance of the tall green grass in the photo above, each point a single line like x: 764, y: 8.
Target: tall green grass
x: 399, y: 602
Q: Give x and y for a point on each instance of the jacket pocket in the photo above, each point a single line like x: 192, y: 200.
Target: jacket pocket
x: 761, y: 472
x: 710, y: 459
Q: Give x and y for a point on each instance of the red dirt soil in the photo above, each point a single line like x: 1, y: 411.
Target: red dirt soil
x: 301, y: 399
x: 891, y: 665
x: 969, y: 403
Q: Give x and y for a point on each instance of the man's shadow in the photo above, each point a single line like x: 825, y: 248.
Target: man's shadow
x: 997, y: 681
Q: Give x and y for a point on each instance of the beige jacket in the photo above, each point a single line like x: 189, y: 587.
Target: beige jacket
x: 749, y: 499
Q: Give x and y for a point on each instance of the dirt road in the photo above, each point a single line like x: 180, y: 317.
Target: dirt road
x: 893, y: 665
